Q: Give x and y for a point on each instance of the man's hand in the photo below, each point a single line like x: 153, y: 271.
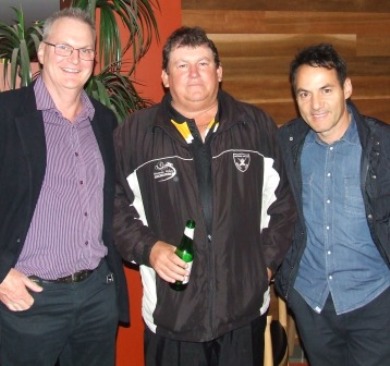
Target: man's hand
x: 14, y: 291
x: 166, y: 263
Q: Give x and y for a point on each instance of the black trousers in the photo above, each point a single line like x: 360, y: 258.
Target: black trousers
x: 73, y: 323
x: 240, y: 347
x: 358, y: 338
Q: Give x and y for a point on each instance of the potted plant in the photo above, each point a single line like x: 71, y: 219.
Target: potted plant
x: 18, y: 48
x: 112, y: 85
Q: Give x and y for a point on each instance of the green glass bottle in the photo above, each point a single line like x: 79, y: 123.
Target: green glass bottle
x: 185, y: 251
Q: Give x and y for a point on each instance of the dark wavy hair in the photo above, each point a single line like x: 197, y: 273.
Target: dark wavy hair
x: 319, y: 55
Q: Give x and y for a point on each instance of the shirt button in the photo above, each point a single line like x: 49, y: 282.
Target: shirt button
x: 85, y: 214
x: 331, y: 277
x: 76, y: 154
x: 86, y: 243
x: 327, y: 228
x: 327, y: 201
x: 331, y: 148
x: 329, y: 252
x: 81, y: 182
x: 329, y: 174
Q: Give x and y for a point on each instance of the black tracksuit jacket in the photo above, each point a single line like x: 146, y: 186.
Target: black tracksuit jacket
x: 252, y: 217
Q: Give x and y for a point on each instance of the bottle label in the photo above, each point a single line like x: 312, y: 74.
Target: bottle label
x: 189, y: 268
x: 189, y: 232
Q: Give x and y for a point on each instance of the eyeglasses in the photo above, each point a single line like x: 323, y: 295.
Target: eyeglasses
x: 86, y: 54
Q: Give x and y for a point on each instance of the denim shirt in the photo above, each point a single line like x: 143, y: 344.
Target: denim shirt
x: 340, y: 257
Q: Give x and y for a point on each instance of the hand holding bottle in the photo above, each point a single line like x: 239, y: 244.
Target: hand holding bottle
x: 166, y: 263
x: 171, y: 263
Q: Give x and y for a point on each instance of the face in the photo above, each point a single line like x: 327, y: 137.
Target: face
x: 66, y: 73
x: 193, y: 78
x: 322, y: 101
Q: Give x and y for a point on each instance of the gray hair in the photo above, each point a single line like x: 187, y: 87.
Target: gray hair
x: 72, y: 13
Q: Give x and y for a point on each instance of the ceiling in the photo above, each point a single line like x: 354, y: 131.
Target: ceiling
x: 32, y: 9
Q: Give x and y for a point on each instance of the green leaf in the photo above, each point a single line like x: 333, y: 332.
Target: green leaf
x: 116, y: 91
x: 18, y: 46
x: 138, y: 18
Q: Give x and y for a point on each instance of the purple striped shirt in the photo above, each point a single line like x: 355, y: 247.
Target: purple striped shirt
x: 65, y: 234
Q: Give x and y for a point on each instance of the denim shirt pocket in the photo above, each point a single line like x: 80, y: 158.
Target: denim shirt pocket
x: 353, y: 203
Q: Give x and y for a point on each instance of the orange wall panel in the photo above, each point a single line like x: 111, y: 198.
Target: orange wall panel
x: 130, y: 340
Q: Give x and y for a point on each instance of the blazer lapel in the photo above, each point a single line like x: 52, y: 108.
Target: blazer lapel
x: 29, y: 124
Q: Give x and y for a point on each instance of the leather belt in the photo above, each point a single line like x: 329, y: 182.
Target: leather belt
x: 73, y: 278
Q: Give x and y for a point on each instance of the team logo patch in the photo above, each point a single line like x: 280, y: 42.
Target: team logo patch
x: 241, y: 161
x: 164, y: 171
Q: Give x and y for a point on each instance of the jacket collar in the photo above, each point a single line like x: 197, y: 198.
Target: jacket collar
x: 230, y: 112
x: 361, y: 124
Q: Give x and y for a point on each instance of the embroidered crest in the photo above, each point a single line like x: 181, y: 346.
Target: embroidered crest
x: 164, y: 171
x: 241, y: 161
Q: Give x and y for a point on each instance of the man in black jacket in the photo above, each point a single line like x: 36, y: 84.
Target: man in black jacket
x: 62, y: 286
x: 203, y: 155
x: 336, y: 275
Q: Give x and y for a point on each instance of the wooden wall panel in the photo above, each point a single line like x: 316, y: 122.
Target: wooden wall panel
x: 359, y: 6
x: 258, y: 38
x: 283, y: 45
x: 279, y: 22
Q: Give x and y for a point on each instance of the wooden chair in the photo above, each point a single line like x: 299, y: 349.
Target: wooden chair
x: 280, y: 328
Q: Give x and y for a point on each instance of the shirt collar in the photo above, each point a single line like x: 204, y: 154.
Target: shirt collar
x: 45, y: 101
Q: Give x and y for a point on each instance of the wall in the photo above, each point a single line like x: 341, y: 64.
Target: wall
x: 32, y: 10
x: 258, y: 38
x: 130, y: 340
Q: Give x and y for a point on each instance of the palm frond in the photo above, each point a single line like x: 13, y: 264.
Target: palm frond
x: 116, y: 91
x: 138, y: 18
x: 18, y: 47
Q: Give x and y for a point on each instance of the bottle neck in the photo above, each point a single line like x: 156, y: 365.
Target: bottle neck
x: 189, y: 232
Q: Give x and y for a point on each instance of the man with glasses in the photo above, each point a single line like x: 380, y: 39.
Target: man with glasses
x: 86, y: 54
x: 62, y: 287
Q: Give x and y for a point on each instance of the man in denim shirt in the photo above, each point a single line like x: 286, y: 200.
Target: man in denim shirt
x: 336, y: 276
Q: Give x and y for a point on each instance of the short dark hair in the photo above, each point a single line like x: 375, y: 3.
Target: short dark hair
x: 72, y: 13
x: 319, y: 55
x: 188, y: 36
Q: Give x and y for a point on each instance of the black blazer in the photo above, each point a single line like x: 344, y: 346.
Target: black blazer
x: 22, y: 169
